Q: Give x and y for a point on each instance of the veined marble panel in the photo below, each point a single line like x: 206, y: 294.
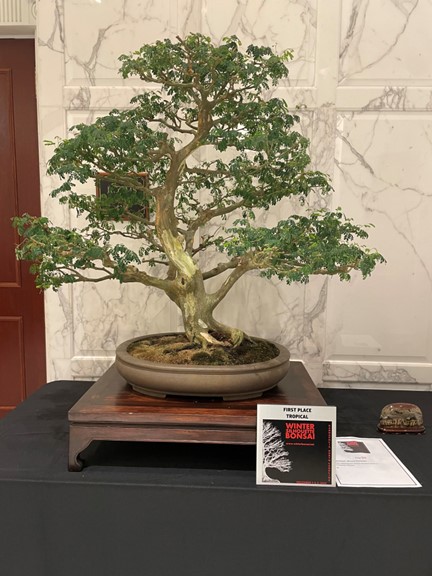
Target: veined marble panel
x: 266, y: 309
x: 386, y: 42
x: 106, y: 314
x: 321, y: 133
x: 97, y: 32
x: 384, y: 169
x: 100, y: 98
x: 282, y: 25
x: 51, y: 120
x: 387, y: 98
x: 59, y: 335
x: 378, y: 375
x: 50, y: 53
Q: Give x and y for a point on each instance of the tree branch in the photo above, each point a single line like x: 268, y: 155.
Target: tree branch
x: 132, y: 274
x: 206, y: 171
x: 220, y: 268
x: 223, y: 290
x: 81, y: 278
x: 174, y: 127
x: 153, y: 261
x: 207, y: 215
x: 206, y: 242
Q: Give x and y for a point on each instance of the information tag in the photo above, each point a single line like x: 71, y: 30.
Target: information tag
x: 296, y: 445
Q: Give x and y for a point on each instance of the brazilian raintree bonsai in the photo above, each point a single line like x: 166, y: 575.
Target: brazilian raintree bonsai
x: 155, y: 230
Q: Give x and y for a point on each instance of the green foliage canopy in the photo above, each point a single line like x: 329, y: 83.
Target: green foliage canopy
x: 216, y: 150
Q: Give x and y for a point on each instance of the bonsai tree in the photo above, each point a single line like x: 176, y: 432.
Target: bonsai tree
x: 164, y: 205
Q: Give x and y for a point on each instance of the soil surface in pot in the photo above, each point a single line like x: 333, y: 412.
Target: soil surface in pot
x: 176, y: 349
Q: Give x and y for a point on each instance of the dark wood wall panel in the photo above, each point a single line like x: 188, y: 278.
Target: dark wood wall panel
x: 9, y: 268
x: 22, y: 333
x: 11, y: 362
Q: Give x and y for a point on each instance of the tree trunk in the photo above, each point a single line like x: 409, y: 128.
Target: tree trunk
x: 196, y: 318
x: 187, y: 289
x: 198, y: 321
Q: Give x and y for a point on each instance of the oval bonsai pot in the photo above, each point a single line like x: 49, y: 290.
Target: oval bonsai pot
x: 229, y: 382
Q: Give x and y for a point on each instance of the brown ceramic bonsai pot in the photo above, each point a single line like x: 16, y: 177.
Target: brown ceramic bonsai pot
x: 229, y: 382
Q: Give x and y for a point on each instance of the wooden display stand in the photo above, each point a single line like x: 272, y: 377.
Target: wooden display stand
x: 111, y: 410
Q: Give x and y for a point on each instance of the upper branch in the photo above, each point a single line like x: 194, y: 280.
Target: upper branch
x: 207, y: 215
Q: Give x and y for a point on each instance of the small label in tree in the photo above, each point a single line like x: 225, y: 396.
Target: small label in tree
x: 295, y: 445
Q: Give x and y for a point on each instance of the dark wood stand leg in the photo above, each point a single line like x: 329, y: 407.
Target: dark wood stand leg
x: 79, y: 440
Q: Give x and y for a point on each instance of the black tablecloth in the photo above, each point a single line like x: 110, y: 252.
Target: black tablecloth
x: 172, y: 509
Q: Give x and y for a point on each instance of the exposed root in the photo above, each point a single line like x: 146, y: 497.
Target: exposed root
x: 210, y: 340
x: 237, y: 336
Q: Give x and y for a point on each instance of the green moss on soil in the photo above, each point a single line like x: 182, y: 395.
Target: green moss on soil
x: 176, y: 349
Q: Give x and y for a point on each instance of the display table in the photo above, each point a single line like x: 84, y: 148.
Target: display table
x: 163, y: 509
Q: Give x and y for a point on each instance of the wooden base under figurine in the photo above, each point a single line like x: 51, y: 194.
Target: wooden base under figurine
x: 111, y: 410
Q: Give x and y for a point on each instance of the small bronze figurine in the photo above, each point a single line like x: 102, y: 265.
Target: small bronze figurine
x: 401, y: 417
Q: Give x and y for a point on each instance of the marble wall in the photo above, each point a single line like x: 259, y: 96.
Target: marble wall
x: 363, y: 70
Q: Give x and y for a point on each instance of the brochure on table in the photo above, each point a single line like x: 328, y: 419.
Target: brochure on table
x: 295, y: 445
x: 369, y: 462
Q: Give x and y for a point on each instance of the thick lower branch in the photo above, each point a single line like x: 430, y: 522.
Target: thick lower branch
x: 132, y: 274
x: 223, y: 290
